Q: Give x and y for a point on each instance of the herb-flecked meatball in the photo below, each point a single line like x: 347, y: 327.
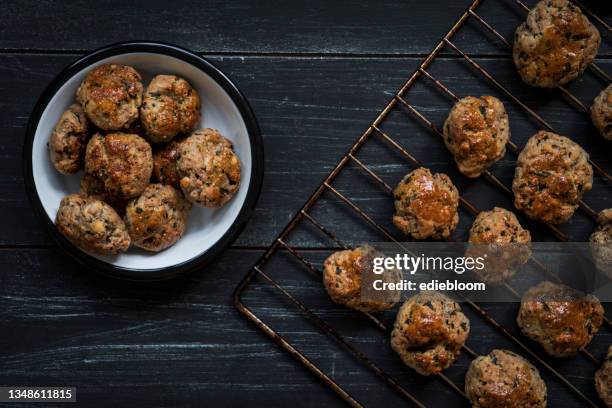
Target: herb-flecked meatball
x: 68, y: 140
x: 92, y: 225
x: 601, y: 112
x: 429, y: 331
x: 562, y: 319
x: 476, y: 132
x: 552, y: 174
x: 426, y: 205
x: 503, y: 379
x: 603, y: 380
x: 555, y: 44
x: 164, y: 164
x: 157, y: 218
x: 499, y: 238
x: 601, y: 242
x: 348, y: 276
x: 170, y: 106
x: 123, y: 162
x: 209, y: 169
x: 111, y: 95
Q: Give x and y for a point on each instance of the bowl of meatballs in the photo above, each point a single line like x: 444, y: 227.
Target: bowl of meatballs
x: 143, y: 159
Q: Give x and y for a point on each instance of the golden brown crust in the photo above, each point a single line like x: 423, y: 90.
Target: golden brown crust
x: 503, y: 379
x: 170, y: 106
x: 111, y: 95
x: 123, y: 162
x: 426, y: 205
x: 552, y: 174
x: 601, y: 112
x: 563, y: 320
x: 476, y: 132
x: 603, y: 380
x: 555, y: 44
x: 164, y: 164
x: 68, y: 140
x: 429, y: 331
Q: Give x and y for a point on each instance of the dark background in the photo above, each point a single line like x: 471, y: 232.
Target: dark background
x: 316, y: 74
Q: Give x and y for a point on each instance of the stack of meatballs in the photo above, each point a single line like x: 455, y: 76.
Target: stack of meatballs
x: 145, y: 163
x: 554, y: 46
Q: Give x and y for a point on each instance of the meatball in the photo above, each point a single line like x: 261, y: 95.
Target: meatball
x: 164, y: 164
x: 503, y: 379
x: 426, y: 205
x: 562, y: 319
x: 476, y: 132
x: 348, y: 276
x: 209, y: 169
x: 601, y: 242
x: 170, y: 106
x: 555, y: 44
x: 552, y: 174
x: 499, y: 238
x: 111, y: 95
x: 429, y: 331
x: 92, y: 225
x: 123, y: 162
x: 603, y: 380
x: 601, y: 112
x: 157, y: 219
x: 68, y: 140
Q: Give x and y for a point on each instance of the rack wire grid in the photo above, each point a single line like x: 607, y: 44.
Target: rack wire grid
x: 308, y: 221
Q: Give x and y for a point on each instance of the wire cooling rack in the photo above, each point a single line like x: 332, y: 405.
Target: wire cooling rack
x: 400, y: 100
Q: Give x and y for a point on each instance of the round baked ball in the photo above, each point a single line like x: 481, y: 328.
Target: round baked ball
x: 562, y: 319
x: 603, y: 380
x: 476, y: 132
x: 92, y: 225
x: 122, y: 161
x: 503, y: 379
x: 601, y: 112
x: 209, y: 169
x: 426, y: 205
x: 555, y: 44
x: 158, y: 218
x: 170, y: 106
x: 68, y: 140
x: 601, y: 242
x: 429, y: 331
x: 348, y: 276
x: 164, y: 164
x: 111, y: 95
x: 506, y: 244
x: 552, y: 173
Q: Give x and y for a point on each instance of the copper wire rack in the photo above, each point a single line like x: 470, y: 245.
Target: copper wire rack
x: 375, y: 130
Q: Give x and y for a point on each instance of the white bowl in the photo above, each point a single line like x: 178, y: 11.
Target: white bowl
x: 223, y: 108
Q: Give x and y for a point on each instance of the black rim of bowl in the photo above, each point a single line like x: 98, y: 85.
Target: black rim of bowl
x: 256, y: 150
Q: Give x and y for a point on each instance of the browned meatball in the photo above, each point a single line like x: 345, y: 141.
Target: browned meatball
x: 123, y: 162
x: 555, y: 44
x: 498, y: 235
x: 503, y: 379
x: 164, y: 164
x: 68, y: 140
x: 601, y: 242
x: 603, y: 380
x: 476, y: 132
x: 562, y: 319
x: 209, y: 168
x: 426, y: 205
x: 157, y: 219
x: 552, y: 174
x: 429, y: 331
x: 348, y: 276
x: 111, y: 95
x: 601, y: 112
x: 92, y: 225
x: 170, y: 106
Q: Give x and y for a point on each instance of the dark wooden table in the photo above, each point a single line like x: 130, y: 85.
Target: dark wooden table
x: 316, y: 74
